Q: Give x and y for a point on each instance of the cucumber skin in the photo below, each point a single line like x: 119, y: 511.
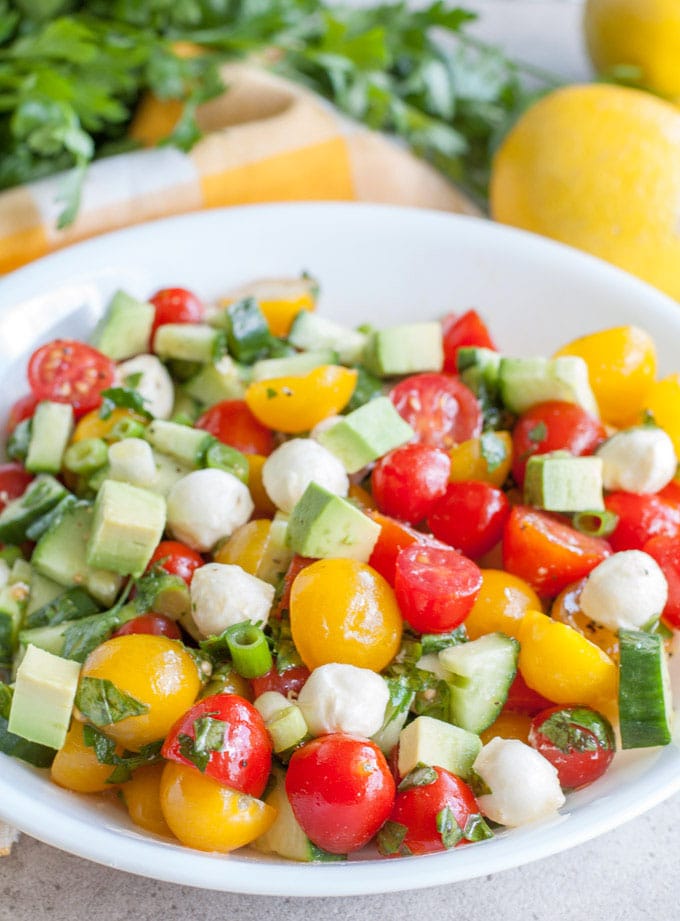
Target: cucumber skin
x: 642, y: 690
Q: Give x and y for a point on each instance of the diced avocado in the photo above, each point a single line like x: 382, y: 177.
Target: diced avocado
x: 560, y: 482
x: 43, y: 591
x: 276, y: 555
x: 434, y: 742
x: 185, y: 444
x: 302, y: 363
x: 43, y: 698
x: 215, y: 382
x: 478, y: 369
x: 187, y: 342
x: 51, y: 431
x: 125, y: 328
x: 14, y: 745
x: 127, y: 527
x: 40, y: 496
x: 311, y: 332
x: 366, y: 434
x: 13, y: 600
x: 406, y: 349
x: 61, y: 555
x: 323, y: 525
x: 524, y: 382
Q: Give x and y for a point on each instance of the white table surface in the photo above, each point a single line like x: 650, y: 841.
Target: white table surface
x: 631, y: 873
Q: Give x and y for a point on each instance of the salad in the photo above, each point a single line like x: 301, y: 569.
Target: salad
x: 277, y: 582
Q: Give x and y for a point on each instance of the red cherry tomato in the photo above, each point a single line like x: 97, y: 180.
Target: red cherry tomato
x: 175, y: 305
x: 288, y: 682
x: 296, y: 565
x: 177, y: 559
x: 435, y: 588
x: 553, y: 426
x: 22, y: 409
x: 468, y: 329
x: 233, y: 423
x: 470, y: 517
x: 407, y: 482
x: 666, y: 552
x: 441, y: 410
x: 395, y: 536
x: 67, y: 371
x: 227, y: 740
x: 13, y: 481
x: 430, y: 817
x: 578, y: 741
x: 548, y: 553
x: 641, y: 517
x: 155, y: 624
x: 523, y: 699
x: 341, y: 791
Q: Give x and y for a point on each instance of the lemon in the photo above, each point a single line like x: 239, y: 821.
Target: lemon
x: 641, y: 33
x: 597, y: 167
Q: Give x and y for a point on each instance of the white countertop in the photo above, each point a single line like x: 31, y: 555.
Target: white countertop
x: 627, y: 874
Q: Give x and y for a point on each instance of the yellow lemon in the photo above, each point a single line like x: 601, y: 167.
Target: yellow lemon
x: 644, y: 34
x: 597, y: 167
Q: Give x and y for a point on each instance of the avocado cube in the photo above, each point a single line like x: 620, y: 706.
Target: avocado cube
x: 524, y: 382
x: 324, y: 526
x: 406, y: 349
x: 43, y: 697
x: 434, y: 742
x: 125, y: 328
x: 127, y: 527
x: 366, y: 434
x: 560, y: 482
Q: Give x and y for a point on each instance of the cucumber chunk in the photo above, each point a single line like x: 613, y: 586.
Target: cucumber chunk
x: 645, y: 706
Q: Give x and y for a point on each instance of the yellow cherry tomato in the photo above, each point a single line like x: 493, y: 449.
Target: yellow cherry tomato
x: 76, y: 766
x: 562, y: 665
x: 567, y: 610
x: 344, y: 611
x: 502, y: 602
x: 155, y: 671
x: 93, y: 426
x: 142, y: 796
x: 663, y: 402
x: 206, y: 815
x: 264, y: 507
x: 246, y: 546
x: 297, y: 403
x: 508, y: 725
x: 488, y: 458
x: 622, y: 367
x: 362, y: 497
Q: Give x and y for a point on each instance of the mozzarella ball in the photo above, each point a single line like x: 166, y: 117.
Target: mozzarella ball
x: 290, y: 469
x: 132, y: 461
x: 206, y: 506
x: 639, y: 460
x: 626, y: 591
x: 155, y: 384
x: 223, y: 595
x: 343, y: 698
x: 524, y: 785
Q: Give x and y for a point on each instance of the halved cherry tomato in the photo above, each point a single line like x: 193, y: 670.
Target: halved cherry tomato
x: 578, y: 741
x: 408, y: 481
x: 553, y: 426
x: 435, y: 588
x: 548, y: 553
x: 23, y: 408
x: 523, y: 699
x: 289, y: 682
x: 155, y: 624
x: 429, y: 817
x: 641, y: 517
x: 68, y: 371
x: 176, y: 558
x: 470, y: 516
x: 13, y: 481
x: 341, y: 791
x: 441, y: 410
x: 224, y: 737
x: 233, y: 424
x: 666, y: 552
x: 394, y: 536
x: 296, y: 565
x: 175, y: 305
x: 468, y: 329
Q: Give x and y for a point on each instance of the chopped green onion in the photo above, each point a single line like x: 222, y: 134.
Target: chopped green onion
x: 288, y: 728
x: 598, y: 523
x: 249, y: 650
x: 86, y: 456
x: 224, y: 457
x: 127, y: 428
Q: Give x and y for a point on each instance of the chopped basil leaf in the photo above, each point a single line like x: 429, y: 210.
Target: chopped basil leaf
x: 421, y: 776
x: 435, y: 642
x: 125, y: 764
x: 102, y: 703
x: 578, y: 729
x: 391, y: 838
x: 449, y: 830
x: 477, y: 784
x: 538, y: 433
x: 209, y: 738
x: 476, y: 828
x: 123, y: 398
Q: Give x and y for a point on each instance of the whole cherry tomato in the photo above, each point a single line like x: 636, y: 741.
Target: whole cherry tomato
x: 407, y: 482
x: 175, y: 305
x: 224, y: 737
x: 578, y: 741
x: 441, y: 410
x: 288, y: 682
x: 641, y: 517
x: 13, y: 481
x: 21, y: 409
x: 470, y: 516
x: 666, y: 552
x: 435, y: 588
x: 553, y: 426
x: 468, y: 329
x: 433, y: 814
x: 68, y: 371
x: 341, y: 791
x: 155, y: 624
x: 233, y: 424
x: 177, y: 559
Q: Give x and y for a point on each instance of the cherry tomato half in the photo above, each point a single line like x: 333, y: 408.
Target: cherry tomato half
x: 468, y: 329
x: 407, y: 482
x: 176, y: 558
x: 287, y: 682
x: 395, y: 536
x: 666, y: 552
x: 175, y: 305
x: 435, y: 588
x: 22, y: 409
x: 341, y: 791
x: 578, y: 741
x: 155, y: 624
x: 523, y: 699
x: 441, y: 410
x: 641, y: 517
x: 233, y: 424
x: 13, y: 481
x: 470, y: 516
x: 68, y: 371
x: 225, y: 738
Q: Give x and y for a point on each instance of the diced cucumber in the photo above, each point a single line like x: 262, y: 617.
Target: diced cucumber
x: 645, y: 704
x: 215, y: 382
x: 43, y: 591
x: 299, y: 364
x: 311, y: 332
x: 71, y: 604
x: 13, y: 600
x: 75, y: 639
x: 248, y: 333
x: 524, y: 382
x: 125, y: 328
x: 40, y: 496
x: 190, y: 342
x: 51, y: 430
x: 186, y: 445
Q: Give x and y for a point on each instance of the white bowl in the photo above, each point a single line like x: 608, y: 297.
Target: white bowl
x: 378, y: 264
